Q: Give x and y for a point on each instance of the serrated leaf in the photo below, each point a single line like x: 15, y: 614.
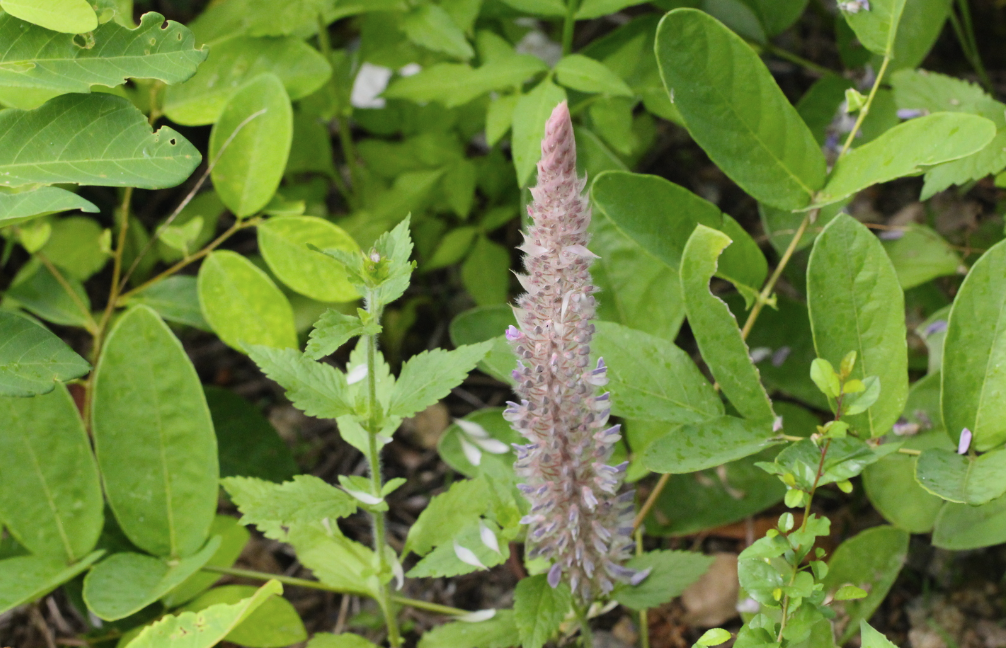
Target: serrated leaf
x: 32, y: 359
x: 716, y: 79
x: 335, y: 560
x: 856, y: 304
x: 672, y: 572
x: 529, y: 117
x: 315, y: 388
x: 305, y: 499
x: 905, y: 150
x: 464, y: 502
x: 28, y: 578
x: 582, y: 73
x: 207, y: 627
x: 332, y: 331
x: 18, y: 207
x: 698, y: 446
x: 67, y: 16
x: 94, y: 139
x: 430, y: 375
x: 539, y: 609
x: 716, y: 330
x: 38, y: 58
x: 497, y: 632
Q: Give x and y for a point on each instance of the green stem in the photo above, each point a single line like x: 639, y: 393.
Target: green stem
x: 310, y: 584
x: 787, y: 55
x: 567, y: 26
x: 865, y: 110
x: 644, y: 620
x: 586, y: 636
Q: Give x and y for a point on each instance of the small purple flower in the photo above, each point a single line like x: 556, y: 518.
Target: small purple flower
x: 911, y: 113
x: 938, y: 326
x: 513, y: 333
x: 891, y: 235
x: 965, y: 442
x: 780, y: 355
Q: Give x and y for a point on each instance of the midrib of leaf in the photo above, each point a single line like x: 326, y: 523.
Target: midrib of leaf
x: 168, y: 494
x: 972, y: 463
x: 49, y: 499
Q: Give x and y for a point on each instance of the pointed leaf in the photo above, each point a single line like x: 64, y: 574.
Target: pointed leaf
x: 17, y: 207
x: 305, y: 499
x: 316, y: 388
x: 871, y: 638
x: 29, y: 578
x: 430, y: 26
x: 33, y: 360
x: 698, y: 446
x: 429, y: 376
x: 233, y: 539
x: 587, y: 75
x: 498, y: 632
x: 736, y: 112
x: 154, y: 437
x: 273, y: 623
x: 529, y: 117
x: 539, y: 609
x: 876, y: 25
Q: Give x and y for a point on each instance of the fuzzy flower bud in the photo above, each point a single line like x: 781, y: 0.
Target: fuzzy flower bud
x: 577, y: 519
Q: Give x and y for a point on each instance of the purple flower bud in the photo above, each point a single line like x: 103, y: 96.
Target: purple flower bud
x: 911, y: 113
x: 891, y: 235
x: 554, y: 574
x: 965, y: 442
x: 936, y: 327
x: 513, y: 333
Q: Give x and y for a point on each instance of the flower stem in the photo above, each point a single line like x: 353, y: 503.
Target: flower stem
x: 865, y: 110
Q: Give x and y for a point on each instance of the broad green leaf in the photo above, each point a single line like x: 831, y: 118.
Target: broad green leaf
x: 960, y: 527
x: 283, y: 243
x: 466, y: 500
x: 125, y: 583
x: 233, y: 538
x: 870, y: 637
x: 176, y: 299
x: 485, y: 323
x: 305, y: 499
x: 242, y: 304
x: 341, y: 640
x: 430, y: 26
x: 921, y: 23
x: 639, y: 290
x: 529, y: 117
x: 581, y: 73
x: 37, y: 290
x: 455, y: 84
x: 962, y: 479
x: 459, y: 457
x: 776, y: 16
x: 933, y: 92
x: 316, y: 388
x: 486, y: 272
x: 18, y: 207
x: 273, y: 624
x: 32, y: 359
x: 735, y: 111
x: 74, y: 246
x: 205, y: 628
x: 50, y: 496
x: 37, y: 58
x: 94, y: 139
x: 452, y: 248
x: 250, y: 143
x: 905, y: 150
x: 248, y: 444
x: 659, y: 216
x: 498, y: 632
x: 499, y: 117
x: 430, y: 375
x: 652, y: 379
x: 154, y: 437
x: 673, y: 571
x: 66, y: 16
x: 201, y: 99
x: 698, y: 446
x: 466, y: 539
x: 715, y: 329
x: 871, y: 561
x: 920, y: 254
x: 611, y: 118
x: 856, y: 304
x: 877, y: 26
x: 539, y: 609
x: 974, y: 375
x: 28, y: 578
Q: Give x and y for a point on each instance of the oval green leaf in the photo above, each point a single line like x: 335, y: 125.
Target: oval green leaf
x: 154, y: 437
x: 68, y: 139
x: 582, y: 73
x: 256, y: 127
x: 708, y: 444
x: 974, y: 354
x: 29, y: 578
x: 32, y: 359
x: 50, y: 495
x: 856, y: 304
x: 273, y: 624
x: 735, y: 111
x: 961, y: 478
x: 66, y: 16
x: 17, y: 207
x: 284, y: 245
x: 243, y: 305
x: 961, y: 527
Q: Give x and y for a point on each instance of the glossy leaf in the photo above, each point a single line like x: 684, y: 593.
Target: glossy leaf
x: 856, y: 304
x: 430, y: 375
x: 95, y: 139
x: 273, y: 624
x: 32, y: 359
x: 581, y: 73
x: 673, y: 571
x: 242, y: 304
x: 905, y: 150
x: 735, y: 111
x: 201, y: 99
x: 50, y: 496
x: 125, y: 583
x: 871, y: 561
x: 233, y: 538
x: 283, y: 243
x: 17, y: 207
x: 256, y: 125
x: 698, y: 446
x: 207, y: 627
x: 877, y: 27
x: 652, y: 379
x: 67, y: 16
x: 154, y: 437
x: 921, y: 24
x: 37, y: 58
x: 539, y: 609
x: 716, y: 331
x: 529, y: 117
x: 974, y: 375
x: 28, y: 578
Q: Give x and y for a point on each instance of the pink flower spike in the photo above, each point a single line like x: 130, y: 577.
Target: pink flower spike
x: 965, y: 442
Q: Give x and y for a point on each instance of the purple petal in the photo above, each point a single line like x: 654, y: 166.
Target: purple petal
x: 554, y: 575
x: 891, y: 235
x: 513, y: 333
x: 936, y: 327
x: 780, y: 355
x: 965, y: 442
x: 910, y: 113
